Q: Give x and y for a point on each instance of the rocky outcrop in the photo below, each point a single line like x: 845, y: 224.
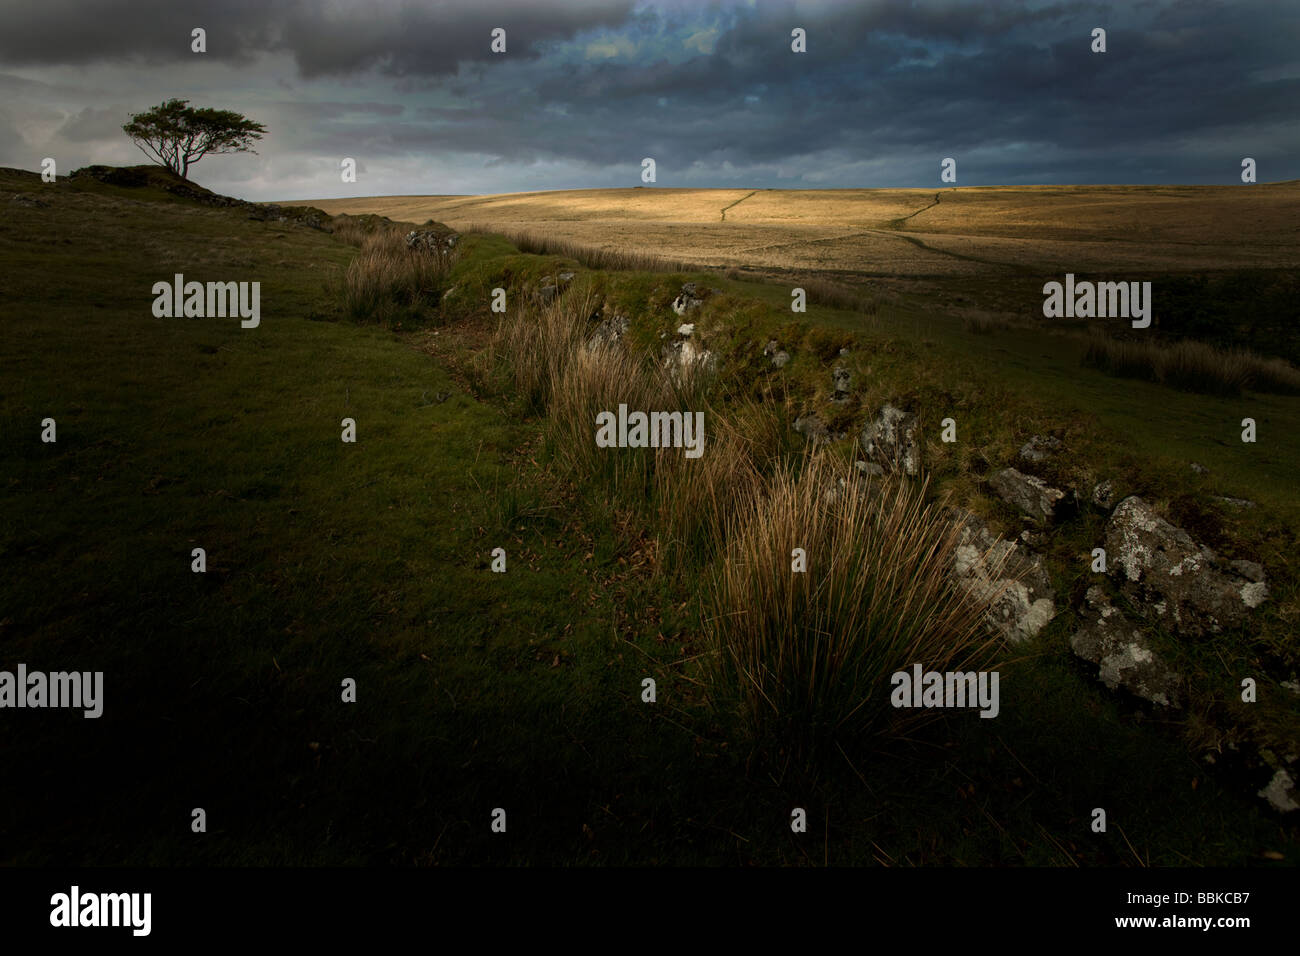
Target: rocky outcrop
x: 685, y: 357
x: 891, y: 440
x: 1123, y: 654
x: 609, y: 332
x: 308, y: 216
x: 156, y: 177
x: 550, y: 287
x: 1281, y: 792
x: 691, y: 297
x: 1011, y: 577
x: 1103, y: 495
x: 811, y: 427
x: 437, y: 241
x: 1040, y: 448
x: 841, y: 384
x: 780, y: 358
x: 1235, y: 502
x: 1185, y: 585
x: 1031, y: 495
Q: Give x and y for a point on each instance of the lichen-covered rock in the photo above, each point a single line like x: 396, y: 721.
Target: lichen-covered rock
x: 691, y: 297
x: 1040, y: 448
x: 811, y: 427
x: 1103, y: 495
x: 891, y: 440
x: 550, y: 287
x: 1011, y: 577
x: 685, y: 357
x: 1123, y: 654
x: 841, y: 384
x: 1185, y: 585
x: 1281, y: 792
x: 609, y: 332
x: 1236, y: 502
x: 438, y: 241
x: 1031, y: 495
x: 779, y: 356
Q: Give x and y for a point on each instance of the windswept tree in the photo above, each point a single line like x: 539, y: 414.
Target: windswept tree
x: 177, y: 135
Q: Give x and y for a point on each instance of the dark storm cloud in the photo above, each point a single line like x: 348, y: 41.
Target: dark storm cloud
x: 392, y: 36
x: 151, y: 31
x: 943, y: 77
x: 432, y: 39
x: 713, y: 93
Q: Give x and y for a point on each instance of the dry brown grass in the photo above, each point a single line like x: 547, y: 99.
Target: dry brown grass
x: 535, y: 347
x: 1192, y: 366
x: 983, y: 323
x: 837, y: 295
x: 355, y: 230
x: 808, y: 655
x: 542, y: 243
x: 1055, y: 229
x: 387, y: 282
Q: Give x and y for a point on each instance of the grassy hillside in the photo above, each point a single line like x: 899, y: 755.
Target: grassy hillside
x: 520, y: 690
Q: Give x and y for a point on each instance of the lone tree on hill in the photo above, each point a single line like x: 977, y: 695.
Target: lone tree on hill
x: 177, y: 135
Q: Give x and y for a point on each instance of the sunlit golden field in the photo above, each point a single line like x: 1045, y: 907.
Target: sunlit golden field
x: 901, y: 232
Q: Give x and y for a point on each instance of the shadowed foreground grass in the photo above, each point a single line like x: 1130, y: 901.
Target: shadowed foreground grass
x: 370, y: 560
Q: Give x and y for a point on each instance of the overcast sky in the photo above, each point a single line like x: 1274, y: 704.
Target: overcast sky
x: 711, y: 91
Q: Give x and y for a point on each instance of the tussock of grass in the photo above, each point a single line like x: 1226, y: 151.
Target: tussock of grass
x: 1192, y: 366
x: 835, y: 295
x: 984, y: 323
x: 387, y: 282
x: 807, y: 657
x: 355, y: 230
x: 534, y: 349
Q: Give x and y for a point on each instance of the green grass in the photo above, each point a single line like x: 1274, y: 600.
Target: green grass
x: 476, y: 690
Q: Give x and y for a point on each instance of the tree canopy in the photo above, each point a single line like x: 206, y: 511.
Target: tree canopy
x: 177, y: 135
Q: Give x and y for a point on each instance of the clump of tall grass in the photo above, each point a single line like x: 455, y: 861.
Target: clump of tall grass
x: 555, y: 370
x: 536, y: 344
x: 389, y: 282
x: 355, y: 230
x: 692, y: 500
x: 806, y: 658
x: 1192, y: 366
x: 599, y: 380
x: 835, y: 295
x: 984, y: 323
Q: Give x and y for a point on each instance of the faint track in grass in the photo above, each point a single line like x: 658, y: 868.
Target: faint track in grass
x: 736, y: 203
